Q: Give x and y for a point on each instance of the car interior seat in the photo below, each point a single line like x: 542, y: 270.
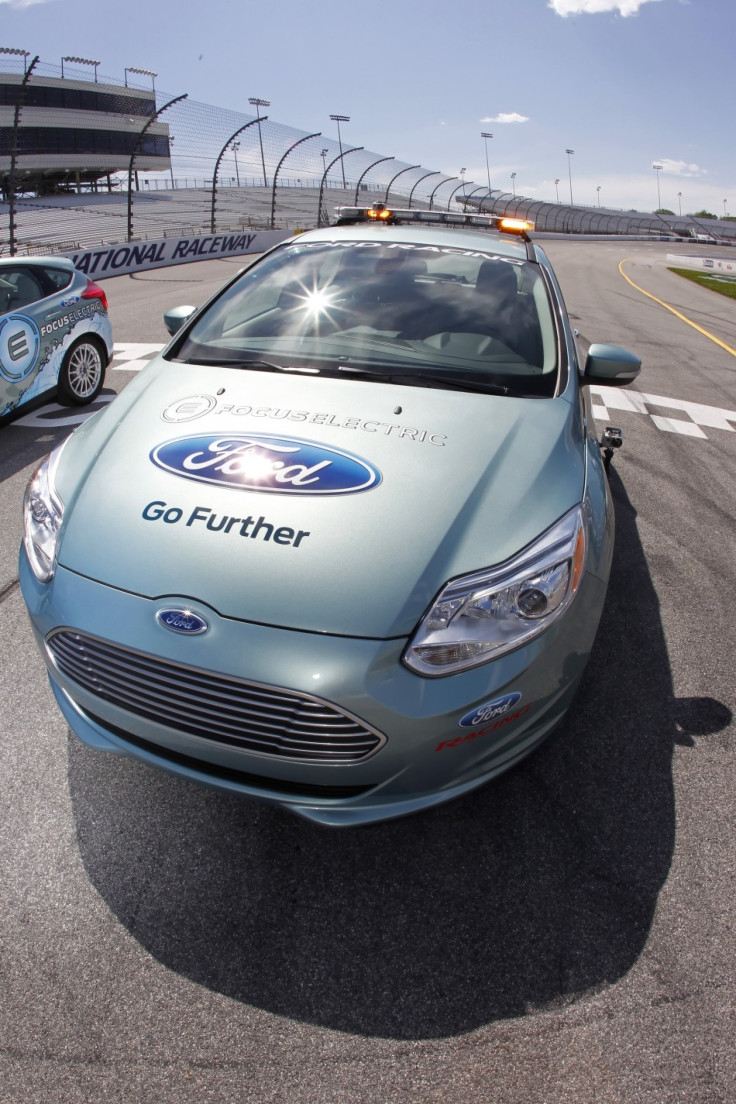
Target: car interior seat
x: 27, y: 290
x: 512, y: 316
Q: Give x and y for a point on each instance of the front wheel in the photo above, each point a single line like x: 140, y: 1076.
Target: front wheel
x: 82, y: 373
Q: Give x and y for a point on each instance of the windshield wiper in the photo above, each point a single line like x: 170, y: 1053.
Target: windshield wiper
x: 242, y: 363
x: 429, y: 378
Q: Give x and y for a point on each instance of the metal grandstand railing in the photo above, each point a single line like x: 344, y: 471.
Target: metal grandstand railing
x: 560, y: 218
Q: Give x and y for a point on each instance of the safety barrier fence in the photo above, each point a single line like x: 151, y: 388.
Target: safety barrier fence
x: 169, y: 166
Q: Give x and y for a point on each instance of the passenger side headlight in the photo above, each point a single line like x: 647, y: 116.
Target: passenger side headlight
x: 42, y: 514
x: 482, y: 616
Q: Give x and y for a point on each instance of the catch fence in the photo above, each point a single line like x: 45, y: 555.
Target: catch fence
x: 92, y: 162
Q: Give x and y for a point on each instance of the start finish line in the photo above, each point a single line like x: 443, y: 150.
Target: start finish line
x: 119, y: 260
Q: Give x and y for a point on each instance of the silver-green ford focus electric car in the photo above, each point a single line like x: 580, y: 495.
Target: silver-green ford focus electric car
x: 55, y: 335
x: 345, y: 544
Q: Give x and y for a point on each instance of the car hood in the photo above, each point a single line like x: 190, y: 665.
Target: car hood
x: 311, y: 503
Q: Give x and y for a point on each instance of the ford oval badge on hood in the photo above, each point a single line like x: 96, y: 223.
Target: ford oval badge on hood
x: 260, y: 462
x: 182, y: 621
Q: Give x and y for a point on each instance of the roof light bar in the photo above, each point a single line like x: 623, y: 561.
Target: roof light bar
x: 393, y: 215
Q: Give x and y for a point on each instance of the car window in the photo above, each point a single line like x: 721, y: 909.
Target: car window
x: 19, y: 287
x: 58, y: 278
x: 386, y: 305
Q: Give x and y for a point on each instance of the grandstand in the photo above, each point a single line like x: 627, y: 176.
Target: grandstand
x: 174, y: 167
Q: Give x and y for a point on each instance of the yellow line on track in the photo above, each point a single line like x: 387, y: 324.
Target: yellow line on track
x: 666, y: 306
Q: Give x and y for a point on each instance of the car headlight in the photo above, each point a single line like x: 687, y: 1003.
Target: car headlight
x: 482, y: 616
x: 42, y: 514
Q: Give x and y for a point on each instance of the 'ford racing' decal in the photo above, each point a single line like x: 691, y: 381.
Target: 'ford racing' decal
x: 259, y: 462
x: 492, y: 709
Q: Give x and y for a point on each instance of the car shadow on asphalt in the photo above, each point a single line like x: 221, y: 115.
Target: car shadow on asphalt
x: 526, y: 894
x: 36, y: 432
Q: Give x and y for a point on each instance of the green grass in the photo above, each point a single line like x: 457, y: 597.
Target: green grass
x: 723, y: 287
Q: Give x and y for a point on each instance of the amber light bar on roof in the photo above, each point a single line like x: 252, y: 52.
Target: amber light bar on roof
x: 393, y: 215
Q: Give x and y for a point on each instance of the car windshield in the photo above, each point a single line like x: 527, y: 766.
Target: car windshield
x: 395, y: 311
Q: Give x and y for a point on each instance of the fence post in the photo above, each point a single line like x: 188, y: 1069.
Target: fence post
x: 452, y: 193
x: 220, y: 156
x: 151, y: 119
x: 435, y: 190
x: 340, y: 156
x: 14, y: 153
x: 419, y: 181
x: 306, y: 138
x: 378, y: 162
x: 407, y: 169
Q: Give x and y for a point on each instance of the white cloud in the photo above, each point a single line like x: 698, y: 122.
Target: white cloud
x: 506, y: 117
x: 679, y: 168
x: 593, y: 7
x: 22, y: 3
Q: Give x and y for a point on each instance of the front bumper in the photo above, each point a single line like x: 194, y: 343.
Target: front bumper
x: 426, y: 758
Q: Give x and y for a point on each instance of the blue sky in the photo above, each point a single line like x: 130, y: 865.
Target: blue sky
x: 624, y: 83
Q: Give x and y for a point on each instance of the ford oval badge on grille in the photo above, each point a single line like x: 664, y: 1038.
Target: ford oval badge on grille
x: 491, y: 710
x: 182, y: 621
x: 260, y: 462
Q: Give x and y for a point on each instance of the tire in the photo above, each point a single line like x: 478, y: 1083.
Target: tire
x: 82, y: 373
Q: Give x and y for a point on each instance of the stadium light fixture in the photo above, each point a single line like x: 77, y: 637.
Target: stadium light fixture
x: 79, y: 61
x: 143, y: 73
x: 341, y: 119
x: 258, y: 103
x: 25, y: 54
x: 557, y: 189
x: 513, y: 183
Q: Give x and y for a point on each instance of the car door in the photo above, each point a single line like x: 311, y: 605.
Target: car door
x: 21, y: 289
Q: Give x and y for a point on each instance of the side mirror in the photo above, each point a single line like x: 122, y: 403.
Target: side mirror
x: 611, y: 366
x: 175, y: 318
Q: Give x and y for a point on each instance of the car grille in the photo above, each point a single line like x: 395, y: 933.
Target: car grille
x: 262, y: 719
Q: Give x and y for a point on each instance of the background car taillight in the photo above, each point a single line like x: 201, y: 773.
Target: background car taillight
x: 94, y: 291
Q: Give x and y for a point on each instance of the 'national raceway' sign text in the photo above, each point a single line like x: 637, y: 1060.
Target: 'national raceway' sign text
x: 118, y: 260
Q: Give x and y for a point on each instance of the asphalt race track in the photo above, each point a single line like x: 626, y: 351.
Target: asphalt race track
x: 565, y: 934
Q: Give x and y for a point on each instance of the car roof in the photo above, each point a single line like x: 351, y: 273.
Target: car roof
x: 440, y: 237
x: 57, y: 262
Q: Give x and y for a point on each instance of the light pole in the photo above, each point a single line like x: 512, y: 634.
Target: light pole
x: 598, y: 189
x: 171, y: 163
x: 569, y: 153
x: 658, y: 168
x: 79, y: 61
x: 323, y: 154
x: 341, y: 119
x: 258, y: 103
x: 485, y: 136
x: 513, y: 183
x: 724, y: 208
x: 462, y: 177
x: 236, y: 147
x: 557, y: 189
x: 679, y: 201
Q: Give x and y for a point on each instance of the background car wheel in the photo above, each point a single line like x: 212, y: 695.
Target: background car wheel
x: 82, y: 373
